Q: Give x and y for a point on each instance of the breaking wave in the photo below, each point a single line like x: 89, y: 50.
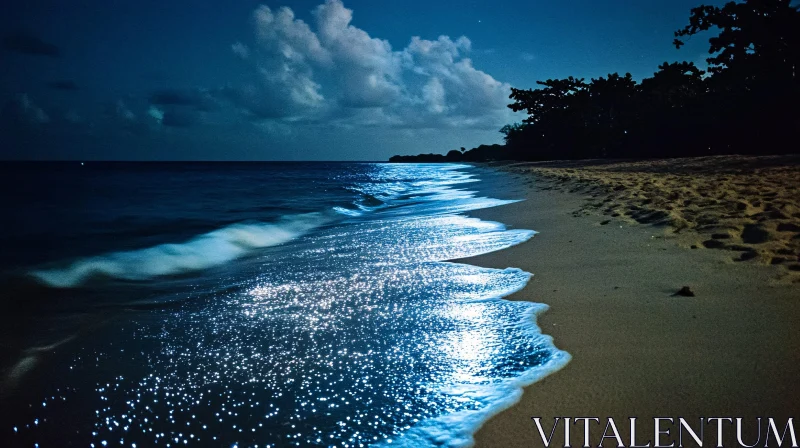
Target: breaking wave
x: 201, y: 252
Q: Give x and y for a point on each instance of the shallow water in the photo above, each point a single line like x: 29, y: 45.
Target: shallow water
x: 350, y: 331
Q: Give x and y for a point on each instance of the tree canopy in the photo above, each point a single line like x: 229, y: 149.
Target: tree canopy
x: 746, y: 103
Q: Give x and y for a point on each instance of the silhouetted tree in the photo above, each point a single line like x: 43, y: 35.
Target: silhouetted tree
x: 759, y: 40
x: 742, y: 105
x: 510, y: 129
x: 753, y: 89
x: 674, y: 85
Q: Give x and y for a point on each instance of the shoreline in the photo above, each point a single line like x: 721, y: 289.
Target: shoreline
x: 638, y: 350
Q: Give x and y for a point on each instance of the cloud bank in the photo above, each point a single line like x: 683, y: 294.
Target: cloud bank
x: 337, y: 72
x: 320, y: 88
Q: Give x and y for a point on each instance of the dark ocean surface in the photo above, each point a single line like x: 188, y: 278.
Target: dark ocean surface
x: 257, y: 304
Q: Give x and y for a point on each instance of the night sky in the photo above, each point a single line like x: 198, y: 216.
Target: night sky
x: 301, y: 80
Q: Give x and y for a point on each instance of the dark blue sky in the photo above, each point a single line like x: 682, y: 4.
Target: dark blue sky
x: 362, y: 79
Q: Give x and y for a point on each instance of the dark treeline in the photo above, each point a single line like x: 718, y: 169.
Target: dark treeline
x: 480, y: 154
x: 748, y: 102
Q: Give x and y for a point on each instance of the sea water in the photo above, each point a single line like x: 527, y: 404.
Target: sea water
x: 259, y: 304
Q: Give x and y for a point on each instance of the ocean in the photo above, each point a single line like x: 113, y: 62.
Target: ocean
x: 258, y: 304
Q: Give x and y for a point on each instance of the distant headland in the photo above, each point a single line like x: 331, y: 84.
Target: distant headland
x: 483, y: 153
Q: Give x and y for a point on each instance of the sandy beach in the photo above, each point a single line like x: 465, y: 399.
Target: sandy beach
x: 614, y: 246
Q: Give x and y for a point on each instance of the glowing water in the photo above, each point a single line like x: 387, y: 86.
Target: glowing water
x: 202, y: 252
x: 357, y: 333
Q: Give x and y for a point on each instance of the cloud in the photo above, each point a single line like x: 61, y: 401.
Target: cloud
x: 435, y: 96
x: 282, y: 83
x: 265, y: 101
x: 336, y: 69
x: 290, y: 39
x: 365, y: 69
x: 156, y: 114
x: 120, y: 115
x: 432, y: 57
x: 25, y: 43
x: 197, y: 99
x: 463, y: 94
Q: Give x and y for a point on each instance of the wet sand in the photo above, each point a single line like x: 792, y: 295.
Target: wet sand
x: 732, y: 350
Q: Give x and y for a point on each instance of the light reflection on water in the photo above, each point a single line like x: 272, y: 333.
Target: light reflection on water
x: 355, y: 335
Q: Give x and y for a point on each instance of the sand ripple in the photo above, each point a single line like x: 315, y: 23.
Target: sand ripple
x: 747, y: 205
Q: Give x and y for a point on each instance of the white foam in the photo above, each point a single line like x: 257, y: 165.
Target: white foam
x: 202, y: 252
x: 456, y: 430
x: 347, y: 211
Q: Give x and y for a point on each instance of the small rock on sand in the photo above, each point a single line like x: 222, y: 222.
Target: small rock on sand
x: 685, y: 292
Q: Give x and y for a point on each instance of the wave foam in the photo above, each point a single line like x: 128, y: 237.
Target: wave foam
x: 457, y: 430
x: 202, y: 252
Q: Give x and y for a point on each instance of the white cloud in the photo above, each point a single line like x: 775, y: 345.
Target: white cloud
x: 366, y: 71
x: 435, y: 56
x: 337, y: 68
x: 289, y: 38
x: 283, y: 84
x: 435, y: 96
x: 468, y: 94
x: 156, y: 114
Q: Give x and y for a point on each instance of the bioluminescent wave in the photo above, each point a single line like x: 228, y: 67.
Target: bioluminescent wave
x: 211, y: 249
x: 354, y: 333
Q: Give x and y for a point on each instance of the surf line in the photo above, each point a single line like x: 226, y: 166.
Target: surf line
x: 663, y: 432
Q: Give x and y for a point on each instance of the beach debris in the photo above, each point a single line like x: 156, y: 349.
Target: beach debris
x: 685, y: 292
